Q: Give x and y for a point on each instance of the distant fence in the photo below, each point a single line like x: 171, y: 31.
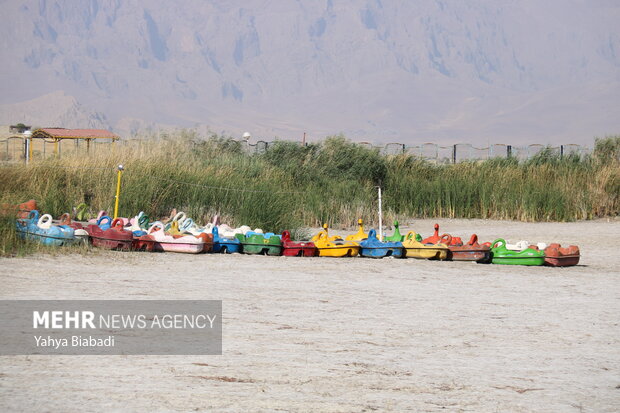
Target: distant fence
x: 456, y: 153
x: 13, y: 149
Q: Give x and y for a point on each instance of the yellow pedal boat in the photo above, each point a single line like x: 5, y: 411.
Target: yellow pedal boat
x: 415, y: 249
x: 334, y: 246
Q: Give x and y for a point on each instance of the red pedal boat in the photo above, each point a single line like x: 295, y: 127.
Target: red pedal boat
x: 292, y: 248
x: 78, y: 229
x: 113, y: 238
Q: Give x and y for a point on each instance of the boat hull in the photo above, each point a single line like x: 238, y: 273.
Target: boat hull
x: 264, y: 249
x: 141, y: 244
x: 302, y: 250
x: 477, y: 255
x: 562, y: 261
x: 111, y: 243
x: 530, y: 261
x: 226, y: 247
x: 339, y: 251
x: 381, y: 252
x: 265, y: 244
x: 430, y: 253
x: 180, y: 247
x: 46, y: 239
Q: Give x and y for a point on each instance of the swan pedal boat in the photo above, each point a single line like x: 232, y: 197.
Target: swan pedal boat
x: 41, y: 229
x: 224, y: 240
x: 416, y: 249
x: 472, y: 251
x: 437, y: 239
x: 157, y: 239
x: 110, y: 235
x: 334, y: 246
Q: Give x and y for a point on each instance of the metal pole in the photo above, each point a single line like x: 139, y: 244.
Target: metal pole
x: 380, y: 216
x: 454, y: 154
x: 118, y: 190
x: 27, y: 150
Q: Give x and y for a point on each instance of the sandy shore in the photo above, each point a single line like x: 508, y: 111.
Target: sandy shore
x: 320, y: 334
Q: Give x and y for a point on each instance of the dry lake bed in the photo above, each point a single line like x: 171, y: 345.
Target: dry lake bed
x: 325, y: 334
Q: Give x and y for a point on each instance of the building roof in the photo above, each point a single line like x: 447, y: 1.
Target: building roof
x: 61, y: 133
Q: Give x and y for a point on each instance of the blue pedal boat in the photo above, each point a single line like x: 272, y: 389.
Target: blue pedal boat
x: 41, y: 229
x: 224, y: 245
x: 372, y: 247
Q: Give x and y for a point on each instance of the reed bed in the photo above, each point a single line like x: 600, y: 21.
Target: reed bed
x: 292, y: 186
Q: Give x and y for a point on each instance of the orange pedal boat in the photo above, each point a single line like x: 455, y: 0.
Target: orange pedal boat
x: 556, y: 256
x: 436, y: 238
x: 472, y: 251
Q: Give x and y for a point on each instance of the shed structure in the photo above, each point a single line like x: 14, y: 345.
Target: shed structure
x: 57, y: 134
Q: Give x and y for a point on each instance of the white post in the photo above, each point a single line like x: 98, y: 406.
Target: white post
x: 380, y: 217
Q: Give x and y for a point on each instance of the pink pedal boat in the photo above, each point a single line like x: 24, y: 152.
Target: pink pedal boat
x: 158, y: 240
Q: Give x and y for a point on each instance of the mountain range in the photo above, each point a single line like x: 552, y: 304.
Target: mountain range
x: 478, y: 71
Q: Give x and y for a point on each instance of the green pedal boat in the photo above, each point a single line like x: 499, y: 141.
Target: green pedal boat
x: 502, y: 255
x: 264, y: 244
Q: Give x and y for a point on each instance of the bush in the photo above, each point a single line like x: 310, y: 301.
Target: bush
x: 342, y: 159
x: 607, y: 150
